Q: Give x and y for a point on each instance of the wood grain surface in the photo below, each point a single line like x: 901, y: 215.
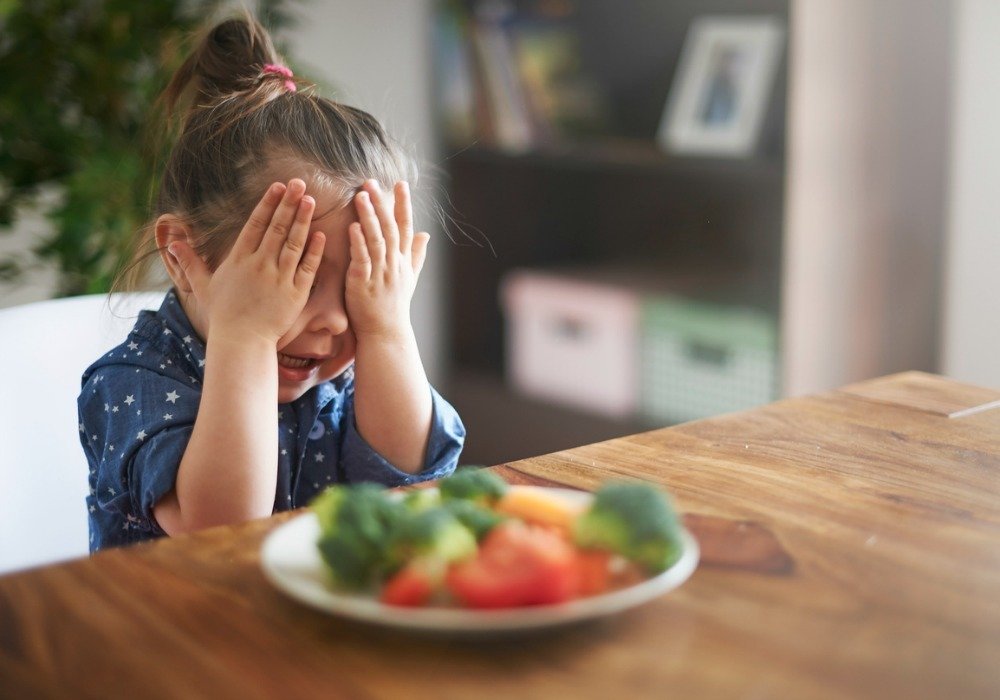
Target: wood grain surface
x: 851, y: 549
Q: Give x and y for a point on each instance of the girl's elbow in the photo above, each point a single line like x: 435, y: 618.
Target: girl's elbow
x: 177, y: 518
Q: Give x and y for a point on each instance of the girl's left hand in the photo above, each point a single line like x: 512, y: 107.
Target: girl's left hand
x: 386, y: 259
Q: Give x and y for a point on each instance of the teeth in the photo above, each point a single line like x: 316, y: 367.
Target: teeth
x: 293, y: 362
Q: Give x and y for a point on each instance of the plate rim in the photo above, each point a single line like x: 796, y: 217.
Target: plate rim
x: 437, y: 619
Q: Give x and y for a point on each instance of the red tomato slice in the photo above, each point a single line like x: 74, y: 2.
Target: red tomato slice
x: 517, y: 565
x: 409, y: 587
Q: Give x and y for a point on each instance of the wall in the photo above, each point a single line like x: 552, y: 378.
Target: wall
x: 971, y: 338
x: 867, y: 148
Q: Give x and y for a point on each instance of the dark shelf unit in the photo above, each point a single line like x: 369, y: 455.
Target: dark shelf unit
x: 616, y: 199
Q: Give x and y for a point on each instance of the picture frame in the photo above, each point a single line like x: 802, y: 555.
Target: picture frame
x: 720, y: 91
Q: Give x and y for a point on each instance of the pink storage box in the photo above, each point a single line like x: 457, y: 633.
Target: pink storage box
x: 572, y: 341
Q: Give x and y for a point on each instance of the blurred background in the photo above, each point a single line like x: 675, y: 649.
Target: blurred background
x: 643, y: 212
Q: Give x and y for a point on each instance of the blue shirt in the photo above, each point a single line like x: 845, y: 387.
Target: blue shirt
x: 137, y: 409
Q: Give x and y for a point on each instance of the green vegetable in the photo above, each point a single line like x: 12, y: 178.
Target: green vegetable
x: 635, y: 520
x: 419, y: 500
x: 473, y: 484
x: 479, y: 519
x: 355, y: 524
x: 435, y: 537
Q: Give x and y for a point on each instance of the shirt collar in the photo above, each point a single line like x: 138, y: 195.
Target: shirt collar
x: 177, y: 322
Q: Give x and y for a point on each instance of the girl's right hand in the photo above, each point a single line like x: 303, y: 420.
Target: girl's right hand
x: 262, y: 285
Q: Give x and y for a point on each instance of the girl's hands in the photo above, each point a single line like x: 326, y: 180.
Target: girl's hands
x: 263, y: 283
x: 386, y: 259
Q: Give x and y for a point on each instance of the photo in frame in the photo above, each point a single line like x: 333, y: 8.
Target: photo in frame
x: 719, y: 94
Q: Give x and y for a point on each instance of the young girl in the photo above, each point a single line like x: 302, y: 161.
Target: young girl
x: 283, y: 358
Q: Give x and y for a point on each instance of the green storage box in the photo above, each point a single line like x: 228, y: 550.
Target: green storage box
x: 700, y: 359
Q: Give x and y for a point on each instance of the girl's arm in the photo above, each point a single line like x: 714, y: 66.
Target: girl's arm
x: 229, y: 469
x: 392, y: 398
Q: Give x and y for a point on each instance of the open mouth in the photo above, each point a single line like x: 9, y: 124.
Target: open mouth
x: 292, y: 362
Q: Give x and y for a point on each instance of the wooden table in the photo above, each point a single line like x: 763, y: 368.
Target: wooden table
x: 851, y: 548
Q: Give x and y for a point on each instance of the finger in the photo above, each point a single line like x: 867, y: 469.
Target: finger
x: 420, y: 241
x: 281, y: 221
x: 360, y: 267
x: 305, y: 273
x: 382, y: 202
x: 295, y: 245
x: 371, y: 228
x: 252, y: 233
x: 192, y: 267
x: 404, y: 217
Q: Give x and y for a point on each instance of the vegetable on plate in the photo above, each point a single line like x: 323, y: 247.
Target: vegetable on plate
x: 477, y: 542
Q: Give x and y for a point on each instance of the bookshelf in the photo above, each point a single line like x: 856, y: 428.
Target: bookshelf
x: 596, y: 190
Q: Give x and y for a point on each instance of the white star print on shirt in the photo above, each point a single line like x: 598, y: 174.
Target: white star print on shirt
x: 133, y: 345
x: 141, y: 435
x: 173, y: 396
x: 318, y: 456
x: 129, y: 400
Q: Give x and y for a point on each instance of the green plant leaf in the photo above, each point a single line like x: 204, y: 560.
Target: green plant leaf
x: 76, y: 110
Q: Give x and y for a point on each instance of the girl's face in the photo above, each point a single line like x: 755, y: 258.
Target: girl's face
x: 320, y: 345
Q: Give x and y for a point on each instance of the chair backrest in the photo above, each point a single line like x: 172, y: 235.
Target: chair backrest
x: 44, y: 348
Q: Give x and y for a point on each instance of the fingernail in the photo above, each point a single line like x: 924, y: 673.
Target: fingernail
x: 308, y: 200
x: 172, y: 249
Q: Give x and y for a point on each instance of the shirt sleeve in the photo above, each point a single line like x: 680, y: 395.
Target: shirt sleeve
x: 135, y: 427
x: 360, y: 462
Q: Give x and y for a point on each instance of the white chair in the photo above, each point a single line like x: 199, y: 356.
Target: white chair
x: 44, y: 348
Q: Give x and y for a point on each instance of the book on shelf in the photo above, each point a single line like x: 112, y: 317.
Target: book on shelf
x: 513, y: 77
x: 504, y: 94
x: 564, y: 102
x: 456, y: 95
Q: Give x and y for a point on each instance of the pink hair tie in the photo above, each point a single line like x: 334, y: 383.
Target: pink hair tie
x: 283, y: 71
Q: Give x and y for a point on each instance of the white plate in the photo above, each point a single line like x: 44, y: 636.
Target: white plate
x: 291, y: 561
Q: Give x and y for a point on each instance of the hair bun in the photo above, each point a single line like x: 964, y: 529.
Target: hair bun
x: 233, y: 54
x: 230, y: 58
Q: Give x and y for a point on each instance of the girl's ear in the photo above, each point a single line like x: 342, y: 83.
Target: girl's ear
x: 170, y: 228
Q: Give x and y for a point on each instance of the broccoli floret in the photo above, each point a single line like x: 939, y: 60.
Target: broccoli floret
x: 419, y: 500
x: 433, y: 535
x: 473, y: 484
x: 477, y: 518
x: 635, y: 520
x: 355, y: 524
